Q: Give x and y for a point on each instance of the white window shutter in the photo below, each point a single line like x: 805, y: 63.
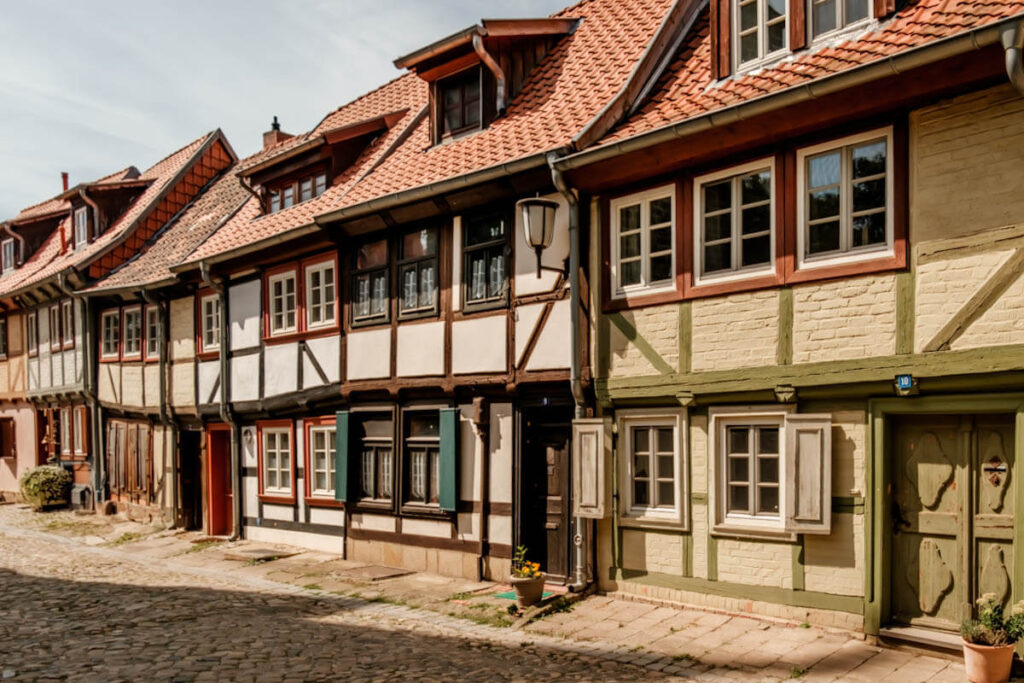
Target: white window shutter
x: 591, y: 452
x: 809, y: 474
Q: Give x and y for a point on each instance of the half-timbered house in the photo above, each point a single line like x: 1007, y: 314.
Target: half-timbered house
x: 806, y: 259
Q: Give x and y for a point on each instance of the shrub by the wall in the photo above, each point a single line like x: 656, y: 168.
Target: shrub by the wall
x: 45, y: 486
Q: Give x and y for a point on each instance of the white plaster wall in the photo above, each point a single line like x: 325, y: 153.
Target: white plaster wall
x: 209, y: 371
x: 553, y: 349
x: 151, y: 375
x: 332, y: 516
x: 479, y: 345
x: 182, y: 332
x: 327, y: 351
x: 249, y: 456
x: 183, y: 389
x: 131, y: 384
x: 280, y: 362
x: 245, y: 377
x: 318, y: 542
x: 369, y: 354
x: 499, y: 529
x: 501, y: 445
x: 282, y: 513
x: 109, y: 376
x: 373, y: 522
x: 526, y: 280
x: 244, y: 315
x: 427, y: 527
x: 469, y: 455
x: 526, y: 323
x: 420, y: 349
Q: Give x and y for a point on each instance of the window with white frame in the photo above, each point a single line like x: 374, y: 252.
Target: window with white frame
x: 32, y: 333
x: 283, y: 305
x: 376, y: 458
x: 81, y: 227
x: 830, y: 15
x: 735, y: 219
x: 7, y: 257
x: 55, y: 335
x: 772, y: 470
x: 277, y: 460
x: 320, y: 296
x: 845, y: 199
x: 650, y: 446
x: 132, y: 331
x: 759, y: 30
x: 78, y: 429
x: 110, y: 324
x: 65, y: 431
x: 643, y: 242
x: 321, y: 461
x: 68, y: 332
x: 152, y: 331
x: 209, y: 321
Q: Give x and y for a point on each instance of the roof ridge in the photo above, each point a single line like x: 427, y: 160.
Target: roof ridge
x: 202, y: 138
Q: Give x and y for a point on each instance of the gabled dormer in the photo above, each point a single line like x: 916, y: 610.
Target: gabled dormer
x: 23, y: 236
x: 475, y: 73
x: 298, y: 169
x: 97, y: 205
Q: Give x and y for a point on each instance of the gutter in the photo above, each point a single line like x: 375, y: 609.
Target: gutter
x: 225, y: 409
x: 495, y: 68
x: 166, y: 420
x: 923, y: 55
x: 96, y: 213
x: 1013, y: 44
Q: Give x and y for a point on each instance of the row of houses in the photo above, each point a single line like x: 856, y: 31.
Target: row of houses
x: 714, y: 302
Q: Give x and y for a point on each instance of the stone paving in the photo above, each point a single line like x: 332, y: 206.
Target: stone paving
x: 78, y: 606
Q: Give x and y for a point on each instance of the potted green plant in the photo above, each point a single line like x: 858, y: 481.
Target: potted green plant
x: 527, y: 579
x: 45, y: 487
x: 989, y: 640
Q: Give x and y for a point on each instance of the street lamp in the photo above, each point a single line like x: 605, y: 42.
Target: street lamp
x: 538, y: 223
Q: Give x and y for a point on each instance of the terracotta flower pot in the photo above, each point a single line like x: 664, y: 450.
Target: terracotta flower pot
x: 988, y: 663
x: 529, y: 591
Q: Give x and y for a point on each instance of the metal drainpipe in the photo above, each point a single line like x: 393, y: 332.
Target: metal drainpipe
x: 96, y: 213
x: 481, y: 420
x: 1013, y: 44
x: 575, y: 381
x: 225, y: 409
x: 169, y: 424
x: 96, y: 427
x: 9, y: 229
x: 494, y: 68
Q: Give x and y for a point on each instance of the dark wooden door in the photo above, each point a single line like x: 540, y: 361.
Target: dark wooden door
x: 545, y: 489
x: 952, y: 516
x: 191, y: 480
x: 218, y: 454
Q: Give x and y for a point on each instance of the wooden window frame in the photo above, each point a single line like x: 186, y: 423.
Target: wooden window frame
x: 462, y: 76
x: 67, y: 311
x: 407, y: 506
x: 115, y: 355
x: 378, y: 505
x: 273, y: 276
x: 488, y: 303
x: 80, y: 431
x: 56, y: 336
x: 4, y: 339
x: 646, y: 515
x: 763, y: 55
x: 205, y: 351
x: 135, y: 310
x: 356, y: 273
x: 66, y: 429
x: 842, y: 25
x: 32, y: 333
x: 78, y: 241
x: 311, y: 425
x: 8, y: 438
x: 318, y: 185
x: 8, y: 261
x: 148, y: 310
x: 300, y: 271
x: 263, y: 428
x: 320, y: 263
x: 402, y: 263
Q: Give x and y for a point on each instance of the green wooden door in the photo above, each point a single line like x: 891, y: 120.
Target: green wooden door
x: 952, y: 516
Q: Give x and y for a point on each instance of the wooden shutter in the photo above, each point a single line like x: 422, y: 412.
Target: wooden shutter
x: 809, y: 474
x: 721, y: 29
x: 591, y: 452
x: 797, y: 24
x: 884, y: 8
x: 448, y: 476
x: 341, y: 455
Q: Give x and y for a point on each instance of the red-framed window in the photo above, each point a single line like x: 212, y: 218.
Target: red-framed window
x: 320, y: 434
x: 277, y: 476
x: 151, y: 333
x: 301, y: 298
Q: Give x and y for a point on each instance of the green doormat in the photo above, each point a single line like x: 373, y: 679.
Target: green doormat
x: 511, y: 595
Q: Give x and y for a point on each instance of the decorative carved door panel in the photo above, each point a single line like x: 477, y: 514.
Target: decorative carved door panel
x: 952, y: 516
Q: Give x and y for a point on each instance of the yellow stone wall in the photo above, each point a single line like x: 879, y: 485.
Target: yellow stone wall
x: 659, y: 326
x: 844, y: 319
x: 736, y: 331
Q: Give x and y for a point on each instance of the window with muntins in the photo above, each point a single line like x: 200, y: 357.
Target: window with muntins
x: 370, y: 283
x: 68, y: 331
x: 845, y: 199
x: 653, y: 452
x: 80, y: 415
x: 32, y: 333
x: 760, y: 30
x: 65, y: 431
x: 643, y: 242
x: 752, y: 470
x: 651, y: 466
x: 320, y: 295
x: 209, y: 320
x: 830, y: 15
x: 460, y: 103
x: 321, y: 461
x: 417, y: 268
x: 81, y: 227
x: 111, y: 331
x: 735, y: 219
x: 422, y: 457
x: 283, y: 307
x: 7, y: 257
x: 152, y: 332
x: 277, y: 461
x: 376, y: 458
x: 55, y: 333
x: 485, y: 250
x: 287, y: 195
x: 132, y: 332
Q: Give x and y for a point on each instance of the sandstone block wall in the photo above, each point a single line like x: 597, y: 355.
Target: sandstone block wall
x: 844, y: 319
x: 736, y: 331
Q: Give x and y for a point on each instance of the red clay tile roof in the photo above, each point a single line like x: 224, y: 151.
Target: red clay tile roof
x: 249, y: 227
x: 46, y: 208
x: 687, y: 89
x: 49, y: 260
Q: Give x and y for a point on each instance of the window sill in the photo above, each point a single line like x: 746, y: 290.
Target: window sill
x: 366, y: 324
x: 733, y: 286
x: 292, y: 337
x: 275, y: 499
x: 639, y: 521
x: 208, y: 355
x: 753, y: 533
x: 662, y: 296
x: 323, y: 502
x: 417, y: 315
x: 469, y: 308
x: 419, y: 511
x: 825, y: 270
x: 110, y: 359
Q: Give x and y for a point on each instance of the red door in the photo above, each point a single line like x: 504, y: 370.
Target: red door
x: 218, y: 480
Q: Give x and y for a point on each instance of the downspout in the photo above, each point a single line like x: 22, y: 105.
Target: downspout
x: 575, y: 380
x: 248, y: 188
x: 96, y: 214
x: 88, y: 390
x: 495, y: 68
x: 170, y: 425
x: 225, y: 409
x: 481, y: 420
x: 1013, y: 44
x: 9, y: 229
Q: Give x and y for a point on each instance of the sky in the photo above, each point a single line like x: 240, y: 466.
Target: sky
x: 93, y: 87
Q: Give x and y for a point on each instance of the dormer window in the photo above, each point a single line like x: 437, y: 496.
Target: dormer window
x: 460, y: 103
x: 294, y: 192
x: 81, y: 236
x: 7, y: 255
x: 760, y: 29
x: 831, y: 15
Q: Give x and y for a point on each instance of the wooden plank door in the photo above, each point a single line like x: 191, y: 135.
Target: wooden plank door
x: 992, y: 493
x: 544, y: 512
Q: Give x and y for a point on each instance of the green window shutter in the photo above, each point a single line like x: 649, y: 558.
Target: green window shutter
x: 449, y: 474
x: 341, y: 466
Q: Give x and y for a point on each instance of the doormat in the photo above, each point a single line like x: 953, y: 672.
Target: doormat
x: 511, y: 595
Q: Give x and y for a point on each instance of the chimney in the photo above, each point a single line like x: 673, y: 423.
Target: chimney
x: 64, y: 180
x: 274, y: 135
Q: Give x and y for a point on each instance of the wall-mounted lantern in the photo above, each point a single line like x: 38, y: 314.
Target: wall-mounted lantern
x: 538, y: 223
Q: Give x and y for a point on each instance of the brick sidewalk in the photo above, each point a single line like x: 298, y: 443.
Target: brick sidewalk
x: 678, y: 642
